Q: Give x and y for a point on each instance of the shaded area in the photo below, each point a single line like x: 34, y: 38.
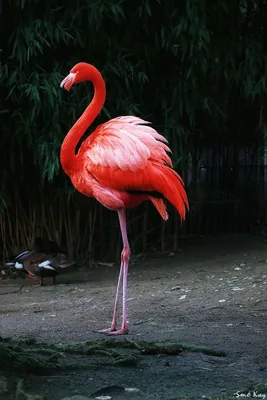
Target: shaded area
x: 26, y: 358
x: 33, y: 357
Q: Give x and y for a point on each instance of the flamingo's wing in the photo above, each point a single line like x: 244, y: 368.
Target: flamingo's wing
x: 120, y: 151
x: 126, y: 154
x: 125, y: 143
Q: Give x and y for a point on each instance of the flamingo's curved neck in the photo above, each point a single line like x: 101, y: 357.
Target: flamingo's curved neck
x: 67, y: 153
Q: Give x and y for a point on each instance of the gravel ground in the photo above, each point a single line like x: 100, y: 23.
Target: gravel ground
x: 212, y: 293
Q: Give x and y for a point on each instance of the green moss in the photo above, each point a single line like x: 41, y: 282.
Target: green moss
x: 33, y: 357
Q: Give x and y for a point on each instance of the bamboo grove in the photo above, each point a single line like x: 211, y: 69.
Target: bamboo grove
x: 197, y: 69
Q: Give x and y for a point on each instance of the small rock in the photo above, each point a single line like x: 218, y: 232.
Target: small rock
x: 222, y: 301
x: 176, y: 288
x: 76, y: 397
x: 131, y: 390
x: 103, y: 398
x: 104, y: 392
x: 182, y: 297
x: 167, y: 364
x: 237, y: 269
x: 138, y: 322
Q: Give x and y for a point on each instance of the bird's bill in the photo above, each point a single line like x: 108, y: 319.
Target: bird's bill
x: 68, y: 81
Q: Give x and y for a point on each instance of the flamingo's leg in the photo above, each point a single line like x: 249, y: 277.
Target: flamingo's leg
x: 125, y: 256
x: 115, y: 313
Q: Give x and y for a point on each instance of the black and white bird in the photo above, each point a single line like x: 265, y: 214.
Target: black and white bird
x: 46, y: 259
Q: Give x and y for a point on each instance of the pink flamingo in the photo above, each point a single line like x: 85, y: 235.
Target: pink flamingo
x: 121, y: 164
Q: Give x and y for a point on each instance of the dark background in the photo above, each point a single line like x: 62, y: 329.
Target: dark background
x: 196, y: 69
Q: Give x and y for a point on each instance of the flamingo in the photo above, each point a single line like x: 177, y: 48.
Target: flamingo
x: 123, y: 163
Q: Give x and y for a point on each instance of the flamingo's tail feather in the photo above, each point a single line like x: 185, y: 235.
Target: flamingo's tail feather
x: 160, y: 207
x: 170, y: 184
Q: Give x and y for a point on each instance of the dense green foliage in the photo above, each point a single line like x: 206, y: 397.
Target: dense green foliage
x: 196, y: 69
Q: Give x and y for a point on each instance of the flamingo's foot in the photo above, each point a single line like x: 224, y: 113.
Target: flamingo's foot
x: 122, y: 331
x: 111, y: 331
x: 113, y: 328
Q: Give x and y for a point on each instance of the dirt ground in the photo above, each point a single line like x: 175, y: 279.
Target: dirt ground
x: 212, y: 293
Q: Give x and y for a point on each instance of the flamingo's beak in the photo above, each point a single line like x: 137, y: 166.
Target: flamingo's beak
x: 68, y: 81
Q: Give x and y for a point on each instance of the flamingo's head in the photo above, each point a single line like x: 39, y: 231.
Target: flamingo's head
x: 78, y: 74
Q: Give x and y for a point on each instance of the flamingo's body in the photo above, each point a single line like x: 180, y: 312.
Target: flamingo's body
x: 123, y: 163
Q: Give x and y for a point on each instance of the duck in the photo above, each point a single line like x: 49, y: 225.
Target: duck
x: 39, y: 245
x: 46, y: 259
x: 43, y: 266
x: 46, y: 246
